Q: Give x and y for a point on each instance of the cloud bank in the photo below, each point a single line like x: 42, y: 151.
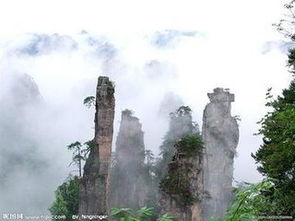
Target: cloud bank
x: 158, y: 56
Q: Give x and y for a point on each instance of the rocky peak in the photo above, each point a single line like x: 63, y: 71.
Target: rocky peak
x: 220, y: 135
x: 94, y: 188
x: 129, y: 175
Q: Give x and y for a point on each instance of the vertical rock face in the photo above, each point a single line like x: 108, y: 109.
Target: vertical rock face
x: 21, y: 159
x: 180, y: 124
x: 181, y: 168
x: 129, y: 175
x: 182, y: 185
x: 220, y: 135
x: 22, y: 88
x: 95, y: 182
x: 169, y: 104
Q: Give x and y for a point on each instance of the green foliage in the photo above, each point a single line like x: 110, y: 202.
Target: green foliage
x: 59, y: 207
x: 111, y: 84
x: 176, y: 182
x: 166, y: 217
x: 184, y: 132
x: 89, y: 101
x: 189, y: 145
x: 253, y: 201
x: 286, y: 26
x: 291, y: 59
x: 214, y: 219
x: 127, y: 214
x: 110, y: 88
x: 276, y: 156
x: 143, y: 214
x: 77, y: 155
x: 74, y: 146
x: 180, y: 119
x: 124, y: 214
x: 80, y: 153
x: 88, y: 145
x: 66, y: 199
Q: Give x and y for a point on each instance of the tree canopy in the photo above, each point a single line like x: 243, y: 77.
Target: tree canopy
x: 66, y: 198
x: 276, y: 156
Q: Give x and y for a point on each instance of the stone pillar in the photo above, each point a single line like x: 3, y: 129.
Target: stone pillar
x: 220, y: 134
x: 180, y: 124
x: 181, y: 188
x: 94, y: 185
x: 129, y: 175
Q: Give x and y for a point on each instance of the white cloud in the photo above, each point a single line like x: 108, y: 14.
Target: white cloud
x: 229, y: 54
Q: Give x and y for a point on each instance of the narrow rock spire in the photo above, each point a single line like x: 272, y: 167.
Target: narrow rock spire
x: 94, y: 186
x: 220, y: 135
x: 181, y: 168
x: 129, y: 174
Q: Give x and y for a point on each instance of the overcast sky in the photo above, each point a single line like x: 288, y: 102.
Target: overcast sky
x: 150, y: 49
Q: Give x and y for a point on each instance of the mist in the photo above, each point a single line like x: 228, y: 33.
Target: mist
x: 45, y: 77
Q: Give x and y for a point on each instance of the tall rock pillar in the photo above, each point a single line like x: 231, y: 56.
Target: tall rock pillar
x: 95, y: 182
x: 220, y: 135
x: 181, y: 168
x: 181, y: 188
x: 129, y: 175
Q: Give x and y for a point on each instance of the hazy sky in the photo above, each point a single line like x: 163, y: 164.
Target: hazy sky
x: 149, y: 48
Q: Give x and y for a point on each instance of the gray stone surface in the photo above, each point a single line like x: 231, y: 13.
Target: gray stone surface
x: 129, y: 174
x: 94, y: 187
x: 220, y: 134
x: 174, y: 207
x: 181, y: 124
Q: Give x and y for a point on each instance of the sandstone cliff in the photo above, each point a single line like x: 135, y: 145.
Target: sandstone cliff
x: 182, y: 185
x: 220, y: 135
x: 129, y: 174
x: 180, y: 124
x: 94, y: 186
x: 181, y: 168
